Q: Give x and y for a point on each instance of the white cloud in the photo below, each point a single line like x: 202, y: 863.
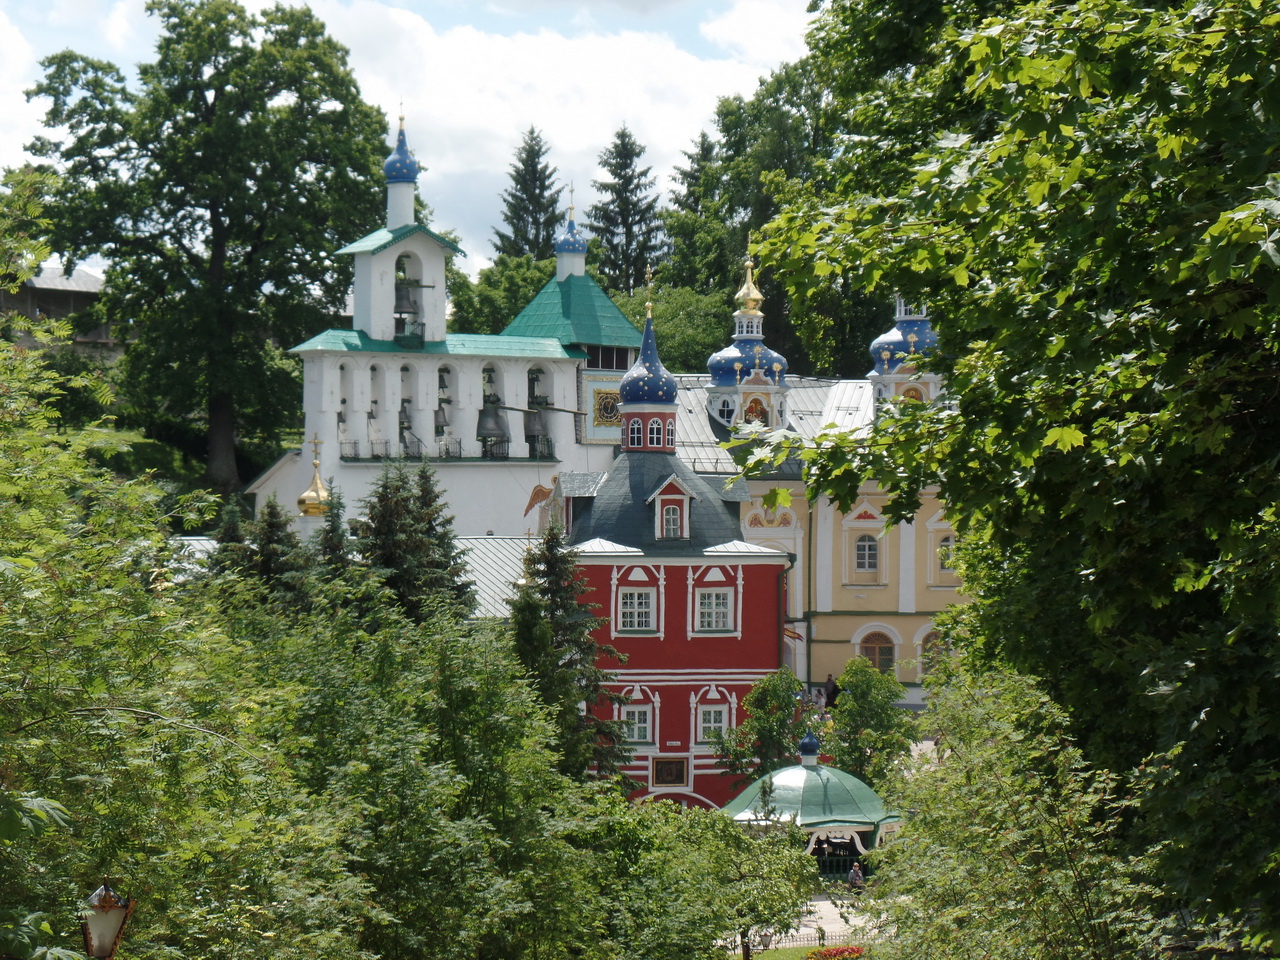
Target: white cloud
x: 761, y: 32
x: 469, y: 92
x: 19, y: 120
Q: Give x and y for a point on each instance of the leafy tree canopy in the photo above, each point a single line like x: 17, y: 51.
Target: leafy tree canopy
x: 689, y: 326
x: 500, y: 292
x: 1097, y: 239
x: 216, y: 190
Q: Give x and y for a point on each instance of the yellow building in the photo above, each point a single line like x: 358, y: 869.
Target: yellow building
x: 856, y: 586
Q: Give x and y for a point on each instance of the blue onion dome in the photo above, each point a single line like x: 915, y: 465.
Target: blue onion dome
x: 648, y: 380
x: 809, y: 745
x: 912, y: 334
x: 401, y: 167
x: 747, y: 353
x: 571, y: 241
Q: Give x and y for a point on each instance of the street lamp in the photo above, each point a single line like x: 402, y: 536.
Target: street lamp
x: 104, y: 921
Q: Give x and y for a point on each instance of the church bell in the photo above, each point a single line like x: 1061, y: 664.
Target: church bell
x: 491, y: 425
x: 535, y: 424
x: 404, y: 300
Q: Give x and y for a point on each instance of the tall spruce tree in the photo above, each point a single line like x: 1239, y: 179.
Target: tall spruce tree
x: 552, y: 629
x: 626, y: 218
x: 532, y: 211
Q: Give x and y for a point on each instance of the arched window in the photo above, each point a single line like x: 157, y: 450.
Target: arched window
x: 635, y: 434
x: 655, y: 432
x: 866, y: 554
x: 726, y: 410
x: 878, y: 648
x: 671, y: 527
x: 946, y: 547
x: 671, y: 432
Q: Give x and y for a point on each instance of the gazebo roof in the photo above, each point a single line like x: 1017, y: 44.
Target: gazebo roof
x: 816, y: 797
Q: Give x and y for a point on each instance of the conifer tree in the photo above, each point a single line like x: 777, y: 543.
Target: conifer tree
x: 231, y: 555
x: 407, y: 539
x: 552, y: 631
x: 331, y: 545
x: 626, y: 218
x: 274, y: 547
x: 532, y: 202
x: 447, y: 574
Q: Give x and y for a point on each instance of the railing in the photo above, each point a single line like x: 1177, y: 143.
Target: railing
x: 412, y: 446
x: 495, y: 449
x: 541, y: 448
x: 349, y: 449
x: 379, y: 449
x: 449, y: 449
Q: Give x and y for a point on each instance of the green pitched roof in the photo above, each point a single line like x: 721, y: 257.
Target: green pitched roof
x: 455, y: 344
x: 574, y: 310
x: 379, y: 240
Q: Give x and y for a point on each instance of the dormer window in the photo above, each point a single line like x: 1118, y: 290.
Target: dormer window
x: 672, y: 522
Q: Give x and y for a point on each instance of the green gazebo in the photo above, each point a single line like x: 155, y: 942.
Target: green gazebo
x: 826, y: 803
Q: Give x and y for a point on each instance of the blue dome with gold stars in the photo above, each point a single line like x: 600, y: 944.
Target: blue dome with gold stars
x: 912, y: 335
x: 735, y: 362
x: 648, y: 380
x: 401, y: 167
x: 571, y: 241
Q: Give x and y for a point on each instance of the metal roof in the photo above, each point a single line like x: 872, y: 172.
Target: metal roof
x: 379, y: 240
x: 494, y: 564
x: 574, y: 310
x: 812, y: 403
x: 455, y: 344
x: 80, y: 281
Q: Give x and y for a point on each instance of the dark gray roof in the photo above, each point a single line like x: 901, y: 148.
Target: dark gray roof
x: 620, y: 514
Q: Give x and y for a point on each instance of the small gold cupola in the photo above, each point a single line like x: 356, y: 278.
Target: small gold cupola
x: 314, y: 501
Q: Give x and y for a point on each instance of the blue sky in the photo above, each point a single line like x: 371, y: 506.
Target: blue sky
x: 473, y: 76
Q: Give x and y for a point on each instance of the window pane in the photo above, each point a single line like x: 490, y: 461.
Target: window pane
x: 671, y: 522
x: 867, y: 553
x: 714, y: 610
x: 710, y: 721
x: 635, y: 610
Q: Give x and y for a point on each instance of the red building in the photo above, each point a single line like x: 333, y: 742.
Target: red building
x: 696, y: 610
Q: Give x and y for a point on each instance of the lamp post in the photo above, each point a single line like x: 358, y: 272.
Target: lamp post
x: 104, y: 920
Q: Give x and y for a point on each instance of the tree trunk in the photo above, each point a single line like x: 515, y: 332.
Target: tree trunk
x: 745, y: 936
x: 221, y: 471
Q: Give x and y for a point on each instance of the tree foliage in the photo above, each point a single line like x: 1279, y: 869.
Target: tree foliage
x: 500, y: 291
x: 1098, y: 237
x: 689, y: 326
x: 552, y: 624
x: 768, y: 737
x: 868, y: 733
x: 531, y: 205
x: 406, y: 537
x: 1015, y: 845
x: 625, y: 220
x: 216, y: 190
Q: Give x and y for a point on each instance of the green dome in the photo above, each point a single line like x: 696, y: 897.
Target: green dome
x: 814, y: 796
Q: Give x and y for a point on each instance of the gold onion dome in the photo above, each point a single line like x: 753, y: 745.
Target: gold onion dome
x: 314, y: 501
